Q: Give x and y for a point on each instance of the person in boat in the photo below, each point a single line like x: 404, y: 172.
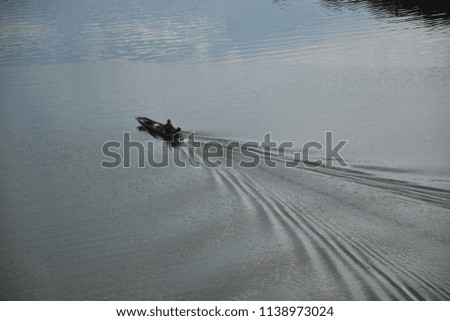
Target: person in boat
x: 168, y: 127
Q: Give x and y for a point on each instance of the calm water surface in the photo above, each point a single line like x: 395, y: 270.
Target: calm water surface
x: 74, y: 74
x: 375, y: 72
x: 377, y: 33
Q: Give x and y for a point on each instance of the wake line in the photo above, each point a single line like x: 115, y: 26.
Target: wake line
x: 362, y: 269
x: 346, y: 259
x: 436, y: 196
x: 339, y: 258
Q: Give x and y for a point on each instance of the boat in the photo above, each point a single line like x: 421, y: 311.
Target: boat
x: 159, y: 130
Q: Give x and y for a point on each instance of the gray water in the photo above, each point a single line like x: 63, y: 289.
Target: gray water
x: 73, y: 75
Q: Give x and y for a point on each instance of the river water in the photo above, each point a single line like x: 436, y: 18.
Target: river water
x: 73, y: 75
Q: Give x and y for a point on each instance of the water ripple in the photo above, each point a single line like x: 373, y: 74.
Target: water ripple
x: 38, y: 32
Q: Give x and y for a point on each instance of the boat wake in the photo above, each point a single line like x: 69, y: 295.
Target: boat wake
x: 355, y: 231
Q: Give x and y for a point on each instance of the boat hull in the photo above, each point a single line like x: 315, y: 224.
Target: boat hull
x: 156, y: 129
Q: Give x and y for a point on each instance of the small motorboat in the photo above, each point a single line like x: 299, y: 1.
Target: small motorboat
x: 158, y: 130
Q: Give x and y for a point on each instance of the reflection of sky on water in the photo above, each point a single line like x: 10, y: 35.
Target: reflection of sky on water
x: 47, y: 32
